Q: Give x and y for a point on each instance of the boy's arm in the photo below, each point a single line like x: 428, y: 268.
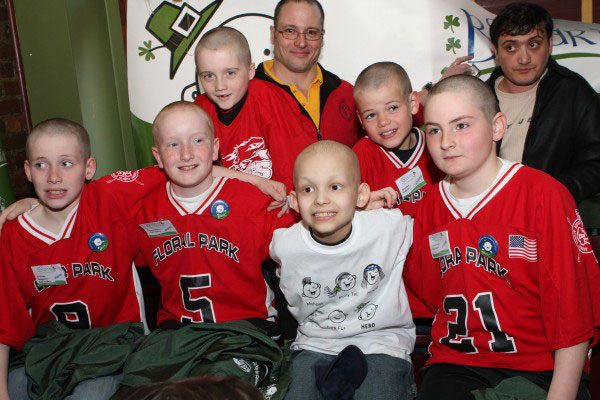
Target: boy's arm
x: 17, y: 208
x: 276, y: 190
x: 4, y: 352
x: 568, y: 364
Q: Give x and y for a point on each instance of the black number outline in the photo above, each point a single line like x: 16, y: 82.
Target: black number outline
x: 201, y: 305
x: 79, y: 308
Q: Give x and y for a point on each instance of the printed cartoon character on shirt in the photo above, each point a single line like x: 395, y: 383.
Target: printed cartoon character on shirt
x: 372, y: 274
x: 310, y: 289
x: 344, y: 282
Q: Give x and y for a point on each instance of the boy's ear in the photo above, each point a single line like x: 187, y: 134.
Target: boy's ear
x: 294, y: 201
x: 363, y: 195
x: 251, y: 71
x: 156, y: 155
x: 413, y: 101
x: 26, y: 166
x: 90, y: 168
x: 498, y: 126
x: 360, y: 119
x: 215, y: 149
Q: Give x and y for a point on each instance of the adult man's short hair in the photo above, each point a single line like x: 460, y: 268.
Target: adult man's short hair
x: 519, y: 19
x: 284, y: 2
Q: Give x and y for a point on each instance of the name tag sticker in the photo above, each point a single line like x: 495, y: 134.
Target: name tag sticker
x: 439, y: 244
x: 159, y: 228
x: 410, y: 182
x: 49, y: 275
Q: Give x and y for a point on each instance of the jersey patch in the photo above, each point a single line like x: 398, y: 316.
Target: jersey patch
x: 579, y: 234
x: 125, y: 176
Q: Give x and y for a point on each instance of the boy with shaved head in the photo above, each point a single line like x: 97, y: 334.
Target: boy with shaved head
x: 394, y: 153
x: 260, y: 130
x: 502, y: 258
x: 204, y: 239
x: 341, y: 273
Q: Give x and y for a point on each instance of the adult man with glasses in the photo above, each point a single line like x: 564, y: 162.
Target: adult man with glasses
x: 324, y: 98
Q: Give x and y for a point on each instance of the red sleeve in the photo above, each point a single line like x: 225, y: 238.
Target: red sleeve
x: 126, y: 189
x: 424, y: 289
x: 418, y: 118
x: 16, y: 326
x: 360, y: 152
x: 569, y: 275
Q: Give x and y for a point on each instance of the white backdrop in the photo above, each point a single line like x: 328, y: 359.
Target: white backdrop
x: 421, y: 35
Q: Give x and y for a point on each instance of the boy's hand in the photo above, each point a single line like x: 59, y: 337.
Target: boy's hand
x: 276, y: 190
x: 285, y: 206
x: 457, y: 67
x: 17, y: 208
x: 385, y: 197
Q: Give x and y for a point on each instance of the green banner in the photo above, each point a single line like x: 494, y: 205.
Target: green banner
x: 142, y: 139
x: 6, y: 194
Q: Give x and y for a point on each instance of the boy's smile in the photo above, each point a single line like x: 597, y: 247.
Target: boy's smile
x: 223, y: 76
x: 185, y: 149
x: 326, y: 194
x: 386, y: 114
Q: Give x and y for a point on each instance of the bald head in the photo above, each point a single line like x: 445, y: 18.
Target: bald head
x: 481, y: 95
x: 222, y: 37
x: 328, y: 149
x: 380, y: 74
x: 186, y: 107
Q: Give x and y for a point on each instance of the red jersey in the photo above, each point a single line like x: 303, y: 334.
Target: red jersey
x: 381, y: 168
x: 208, y: 262
x: 265, y: 136
x: 92, y: 255
x: 512, y: 280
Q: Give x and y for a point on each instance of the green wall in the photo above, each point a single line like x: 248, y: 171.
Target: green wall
x: 74, y: 61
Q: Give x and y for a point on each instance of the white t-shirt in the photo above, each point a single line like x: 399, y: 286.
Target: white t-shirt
x: 350, y: 293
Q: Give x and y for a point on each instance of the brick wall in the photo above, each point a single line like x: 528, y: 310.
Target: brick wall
x: 13, y: 130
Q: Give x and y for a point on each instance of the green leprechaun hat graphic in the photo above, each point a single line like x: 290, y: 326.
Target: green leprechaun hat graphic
x: 176, y: 28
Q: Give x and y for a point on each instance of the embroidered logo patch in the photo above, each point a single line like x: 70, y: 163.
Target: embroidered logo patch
x: 579, y: 234
x: 125, y: 176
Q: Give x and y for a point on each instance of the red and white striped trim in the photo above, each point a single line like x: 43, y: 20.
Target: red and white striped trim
x: 489, y: 194
x: 214, y: 191
x: 45, y: 235
x: 414, y: 158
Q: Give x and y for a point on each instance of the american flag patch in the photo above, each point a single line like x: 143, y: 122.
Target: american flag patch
x: 522, y: 247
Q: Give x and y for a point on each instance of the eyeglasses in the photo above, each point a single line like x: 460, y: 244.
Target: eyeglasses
x: 311, y: 34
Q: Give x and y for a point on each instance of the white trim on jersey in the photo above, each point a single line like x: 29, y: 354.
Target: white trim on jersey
x: 414, y: 158
x: 488, y: 194
x: 211, y: 194
x: 44, y: 234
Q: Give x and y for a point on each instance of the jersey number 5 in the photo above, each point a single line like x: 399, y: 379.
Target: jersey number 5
x: 458, y: 335
x: 200, y: 306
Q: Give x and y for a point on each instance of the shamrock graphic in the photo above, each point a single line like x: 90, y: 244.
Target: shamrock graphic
x: 147, y: 50
x: 453, y: 44
x: 451, y: 21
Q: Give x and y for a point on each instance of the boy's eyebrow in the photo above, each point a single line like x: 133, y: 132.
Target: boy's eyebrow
x: 461, y: 117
